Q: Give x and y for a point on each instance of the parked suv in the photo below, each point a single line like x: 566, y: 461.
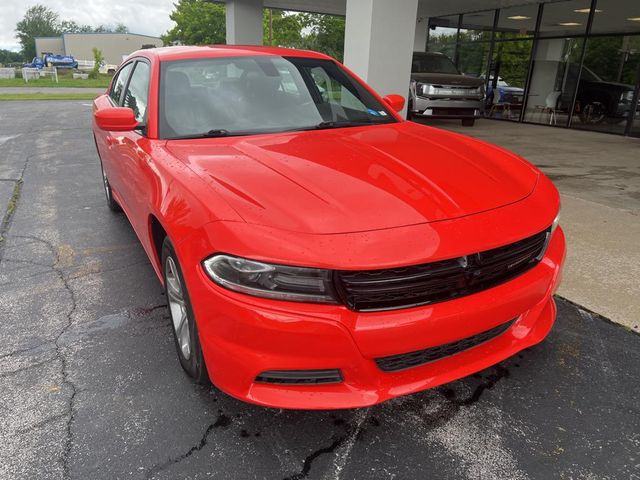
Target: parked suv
x: 439, y: 90
x: 598, y: 100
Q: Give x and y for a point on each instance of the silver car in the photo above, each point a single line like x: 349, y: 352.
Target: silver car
x: 439, y: 90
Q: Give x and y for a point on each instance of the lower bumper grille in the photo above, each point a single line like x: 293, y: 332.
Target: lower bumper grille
x: 403, y: 361
x: 300, y: 377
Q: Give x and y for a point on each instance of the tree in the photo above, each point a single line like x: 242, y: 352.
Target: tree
x: 120, y: 28
x: 283, y: 29
x: 326, y: 33
x: 38, y: 21
x: 7, y: 56
x: 198, y: 22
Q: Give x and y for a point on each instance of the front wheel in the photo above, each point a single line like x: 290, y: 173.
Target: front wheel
x: 111, y: 203
x: 593, y: 112
x: 185, y: 331
x: 468, y: 122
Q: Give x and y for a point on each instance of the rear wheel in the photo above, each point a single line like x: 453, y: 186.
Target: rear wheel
x: 468, y: 122
x: 185, y: 331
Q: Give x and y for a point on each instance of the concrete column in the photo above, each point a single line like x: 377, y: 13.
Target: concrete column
x: 379, y: 40
x: 244, y: 22
x: 420, y: 37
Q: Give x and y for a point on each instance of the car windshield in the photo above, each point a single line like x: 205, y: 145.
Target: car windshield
x: 261, y: 94
x: 431, y: 63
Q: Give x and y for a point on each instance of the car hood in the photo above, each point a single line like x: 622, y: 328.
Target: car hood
x: 447, y: 79
x: 357, y: 179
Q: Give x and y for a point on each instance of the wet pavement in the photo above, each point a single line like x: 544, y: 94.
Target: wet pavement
x: 90, y: 386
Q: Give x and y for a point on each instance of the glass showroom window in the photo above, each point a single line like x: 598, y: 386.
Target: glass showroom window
x: 606, y: 99
x: 476, y: 33
x: 553, y: 81
x: 443, y: 35
x: 508, y: 76
x: 607, y: 83
x: 517, y: 22
x: 563, y: 19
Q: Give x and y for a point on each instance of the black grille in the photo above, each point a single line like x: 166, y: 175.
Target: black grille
x: 404, y: 287
x: 300, y: 377
x: 403, y: 361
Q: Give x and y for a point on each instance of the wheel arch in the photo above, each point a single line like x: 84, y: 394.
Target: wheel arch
x: 157, y: 234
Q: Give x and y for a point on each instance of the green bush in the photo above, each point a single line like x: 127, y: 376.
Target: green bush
x: 98, y: 58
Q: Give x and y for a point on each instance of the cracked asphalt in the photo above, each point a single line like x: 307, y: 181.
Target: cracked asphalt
x: 90, y: 386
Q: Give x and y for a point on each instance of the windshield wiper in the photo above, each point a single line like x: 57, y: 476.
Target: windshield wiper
x: 336, y: 124
x: 217, y: 132
x: 346, y: 123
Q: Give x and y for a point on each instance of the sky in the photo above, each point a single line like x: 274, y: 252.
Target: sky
x: 148, y: 17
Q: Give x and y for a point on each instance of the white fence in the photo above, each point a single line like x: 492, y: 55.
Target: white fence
x: 34, y: 73
x: 6, y: 73
x: 86, y: 65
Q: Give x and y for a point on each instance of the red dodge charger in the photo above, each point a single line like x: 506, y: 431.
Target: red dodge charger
x: 317, y: 250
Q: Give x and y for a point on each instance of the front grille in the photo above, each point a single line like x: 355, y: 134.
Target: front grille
x: 300, y: 377
x: 404, y: 287
x: 403, y: 361
x: 452, y: 112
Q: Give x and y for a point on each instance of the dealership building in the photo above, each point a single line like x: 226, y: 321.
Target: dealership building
x: 114, y: 46
x: 567, y: 63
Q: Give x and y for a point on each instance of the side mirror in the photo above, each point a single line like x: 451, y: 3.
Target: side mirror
x: 396, y: 102
x: 116, y: 119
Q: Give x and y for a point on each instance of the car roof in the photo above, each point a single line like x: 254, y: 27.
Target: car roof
x: 215, y: 51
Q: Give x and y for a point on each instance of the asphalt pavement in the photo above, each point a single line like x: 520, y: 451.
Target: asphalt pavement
x: 90, y: 386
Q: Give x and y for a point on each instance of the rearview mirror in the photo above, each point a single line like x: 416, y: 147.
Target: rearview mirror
x: 396, y: 102
x: 116, y: 119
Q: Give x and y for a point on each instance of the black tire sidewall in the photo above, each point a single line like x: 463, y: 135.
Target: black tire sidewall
x: 195, y: 365
x: 111, y: 203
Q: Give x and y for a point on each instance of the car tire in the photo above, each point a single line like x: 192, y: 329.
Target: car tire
x: 594, y: 111
x: 185, y: 331
x: 111, y: 203
x: 468, y: 122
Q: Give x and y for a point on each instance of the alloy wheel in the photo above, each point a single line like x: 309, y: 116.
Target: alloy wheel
x: 178, y: 308
x: 105, y: 182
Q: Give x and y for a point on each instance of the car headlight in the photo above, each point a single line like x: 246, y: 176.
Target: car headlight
x: 556, y: 222
x: 425, y: 89
x: 268, y: 280
x: 626, y: 96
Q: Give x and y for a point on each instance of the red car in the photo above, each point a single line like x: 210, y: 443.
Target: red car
x: 317, y: 250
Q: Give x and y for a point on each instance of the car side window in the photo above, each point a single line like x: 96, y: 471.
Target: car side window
x: 137, y: 92
x: 119, y: 83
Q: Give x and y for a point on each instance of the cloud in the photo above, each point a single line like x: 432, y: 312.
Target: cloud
x: 148, y: 17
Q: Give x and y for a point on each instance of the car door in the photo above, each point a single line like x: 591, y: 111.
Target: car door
x: 133, y: 147
x: 107, y: 141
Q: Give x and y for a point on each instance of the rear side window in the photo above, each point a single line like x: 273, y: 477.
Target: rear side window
x: 119, y: 83
x: 137, y: 91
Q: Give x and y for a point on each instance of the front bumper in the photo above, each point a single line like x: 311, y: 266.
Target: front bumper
x: 244, y: 336
x: 449, y: 107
